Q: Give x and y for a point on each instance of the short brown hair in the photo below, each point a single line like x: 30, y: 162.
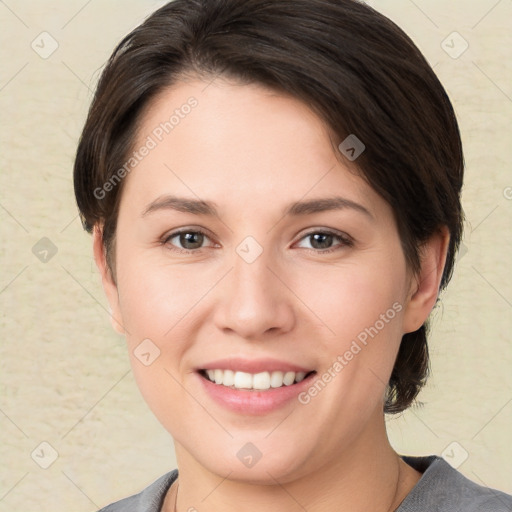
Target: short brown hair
x: 353, y: 66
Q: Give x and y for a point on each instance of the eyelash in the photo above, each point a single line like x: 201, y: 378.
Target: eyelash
x: 345, y: 240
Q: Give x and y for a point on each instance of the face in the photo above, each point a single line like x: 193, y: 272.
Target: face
x: 249, y: 254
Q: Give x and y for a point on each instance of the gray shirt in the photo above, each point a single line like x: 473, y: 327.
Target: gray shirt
x: 440, y: 489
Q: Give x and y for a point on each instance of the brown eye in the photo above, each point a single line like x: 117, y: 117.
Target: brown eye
x: 186, y: 240
x: 322, y: 241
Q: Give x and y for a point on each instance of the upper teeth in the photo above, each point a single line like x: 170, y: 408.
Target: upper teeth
x: 263, y: 380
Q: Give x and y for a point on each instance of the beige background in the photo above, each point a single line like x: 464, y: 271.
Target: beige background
x: 65, y: 377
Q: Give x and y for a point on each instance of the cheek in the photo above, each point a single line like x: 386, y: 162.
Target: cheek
x: 154, y: 298
x: 154, y: 304
x: 347, y: 300
x: 363, y: 309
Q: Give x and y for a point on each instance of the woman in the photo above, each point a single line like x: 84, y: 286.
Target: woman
x: 273, y: 190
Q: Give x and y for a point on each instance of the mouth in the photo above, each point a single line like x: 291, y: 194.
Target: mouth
x: 253, y: 386
x: 261, y: 381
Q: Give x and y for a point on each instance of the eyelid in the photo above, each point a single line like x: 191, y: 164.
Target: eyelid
x: 326, y: 231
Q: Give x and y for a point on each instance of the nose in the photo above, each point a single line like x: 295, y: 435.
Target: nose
x: 255, y: 302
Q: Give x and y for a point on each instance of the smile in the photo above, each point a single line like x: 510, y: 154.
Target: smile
x: 257, y: 381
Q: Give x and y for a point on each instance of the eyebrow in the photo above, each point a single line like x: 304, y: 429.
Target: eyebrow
x: 298, y: 208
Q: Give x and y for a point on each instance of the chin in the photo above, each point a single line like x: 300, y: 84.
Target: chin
x: 261, y: 462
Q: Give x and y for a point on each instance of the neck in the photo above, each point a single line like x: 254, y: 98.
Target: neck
x: 369, y: 475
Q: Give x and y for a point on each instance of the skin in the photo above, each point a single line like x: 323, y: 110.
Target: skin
x: 253, y: 152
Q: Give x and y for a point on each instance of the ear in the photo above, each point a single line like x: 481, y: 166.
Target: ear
x: 424, y: 288
x: 109, y: 285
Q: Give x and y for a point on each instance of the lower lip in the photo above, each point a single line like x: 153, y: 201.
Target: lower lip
x: 253, y: 402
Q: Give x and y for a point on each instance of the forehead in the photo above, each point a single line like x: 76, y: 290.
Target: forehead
x: 229, y: 140
x: 254, y: 118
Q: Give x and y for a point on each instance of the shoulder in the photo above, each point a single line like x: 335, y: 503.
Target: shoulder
x: 444, y: 489
x: 149, y: 500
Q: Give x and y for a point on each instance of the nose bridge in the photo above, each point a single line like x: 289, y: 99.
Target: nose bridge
x: 251, y: 274
x: 254, y: 300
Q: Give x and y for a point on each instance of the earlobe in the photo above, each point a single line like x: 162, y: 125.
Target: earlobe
x: 425, y: 284
x: 107, y: 280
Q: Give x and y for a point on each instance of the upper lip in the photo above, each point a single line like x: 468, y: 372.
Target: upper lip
x: 253, y: 365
